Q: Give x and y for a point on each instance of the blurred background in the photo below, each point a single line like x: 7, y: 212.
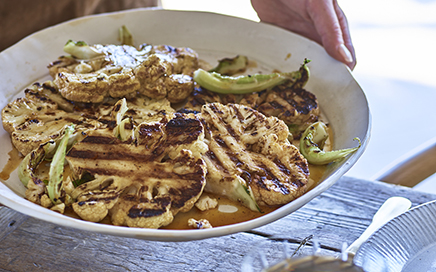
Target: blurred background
x: 395, y: 42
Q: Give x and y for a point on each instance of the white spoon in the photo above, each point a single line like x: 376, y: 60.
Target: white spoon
x: 392, y: 207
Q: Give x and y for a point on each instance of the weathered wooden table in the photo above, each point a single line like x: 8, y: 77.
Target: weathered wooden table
x: 338, y: 215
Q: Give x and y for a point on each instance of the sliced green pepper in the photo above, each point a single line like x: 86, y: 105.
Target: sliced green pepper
x: 242, y: 84
x: 312, y: 143
x: 219, y: 83
x: 231, y: 66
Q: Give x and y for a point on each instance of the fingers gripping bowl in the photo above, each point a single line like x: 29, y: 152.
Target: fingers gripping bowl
x: 342, y: 101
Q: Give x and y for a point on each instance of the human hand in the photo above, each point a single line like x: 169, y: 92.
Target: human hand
x: 322, y: 21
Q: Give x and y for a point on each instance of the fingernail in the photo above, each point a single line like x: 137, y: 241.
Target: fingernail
x: 345, y: 53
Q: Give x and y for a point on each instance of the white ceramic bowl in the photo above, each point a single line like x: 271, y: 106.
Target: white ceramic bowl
x: 213, y: 36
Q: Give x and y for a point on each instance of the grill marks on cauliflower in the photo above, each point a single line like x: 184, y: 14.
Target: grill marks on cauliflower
x: 36, y: 119
x: 246, y: 146
x: 43, y: 113
x: 155, y: 71
x: 141, y: 184
x: 297, y: 107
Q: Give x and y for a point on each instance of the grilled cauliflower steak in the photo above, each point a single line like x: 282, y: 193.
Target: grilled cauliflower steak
x: 43, y: 114
x: 144, y: 182
x: 36, y: 119
x: 248, y: 148
x: 122, y: 70
x: 298, y: 108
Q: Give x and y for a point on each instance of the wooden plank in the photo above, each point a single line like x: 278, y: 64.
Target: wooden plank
x: 338, y: 215
x: 9, y: 221
x: 48, y: 247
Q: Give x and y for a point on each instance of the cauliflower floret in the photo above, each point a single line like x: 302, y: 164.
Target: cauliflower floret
x: 94, y: 199
x: 46, y: 202
x: 206, y: 203
x: 199, y: 224
x: 68, y: 186
x: 35, y: 190
x: 60, y: 208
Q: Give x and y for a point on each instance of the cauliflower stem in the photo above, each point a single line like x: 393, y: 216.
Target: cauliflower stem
x: 32, y: 160
x: 244, y: 194
x: 81, y: 50
x: 125, y: 36
x: 54, y: 186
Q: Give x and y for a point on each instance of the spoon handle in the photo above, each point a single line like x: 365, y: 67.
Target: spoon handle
x: 392, y: 207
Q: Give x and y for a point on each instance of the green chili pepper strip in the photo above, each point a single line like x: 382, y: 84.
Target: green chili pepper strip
x: 242, y: 84
x: 231, y: 66
x: 312, y: 142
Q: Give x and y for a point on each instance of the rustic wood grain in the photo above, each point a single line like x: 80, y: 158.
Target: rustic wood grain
x: 338, y: 215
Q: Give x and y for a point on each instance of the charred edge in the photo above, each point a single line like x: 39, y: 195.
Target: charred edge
x: 301, y: 163
x: 187, y: 111
x: 214, y: 108
x: 148, y: 131
x: 300, y: 99
x: 298, y: 183
x: 136, y: 212
x: 238, y: 113
x: 183, y: 131
x: 49, y: 87
x: 201, y: 96
x: 117, y: 107
x: 37, y: 95
x: 181, y: 196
